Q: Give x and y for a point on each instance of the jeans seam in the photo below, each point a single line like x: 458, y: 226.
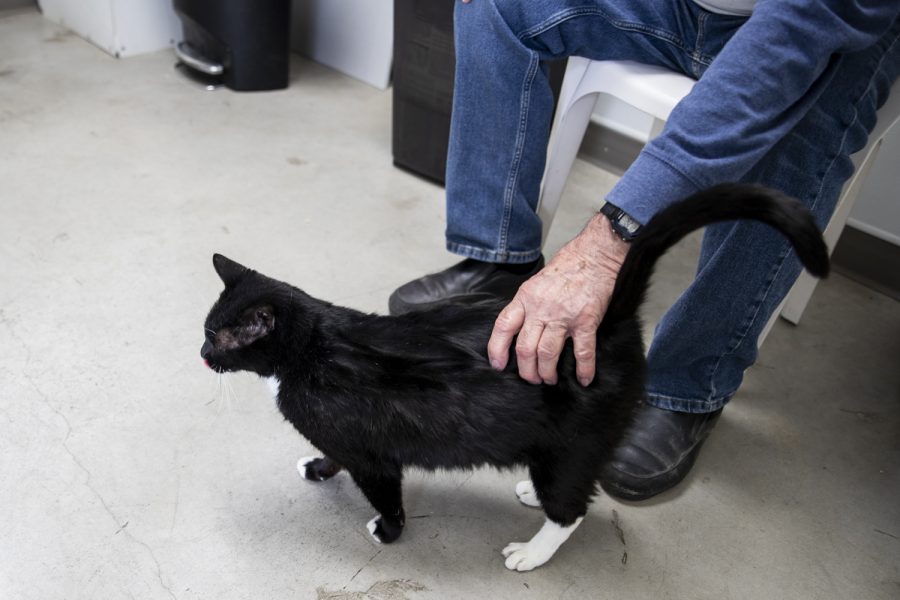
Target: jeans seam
x: 752, y: 314
x: 571, y: 13
x: 816, y: 198
x: 697, y: 56
x: 509, y: 192
x: 866, y: 92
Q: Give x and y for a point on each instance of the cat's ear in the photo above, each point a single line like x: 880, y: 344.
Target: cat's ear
x: 256, y: 323
x: 228, y: 270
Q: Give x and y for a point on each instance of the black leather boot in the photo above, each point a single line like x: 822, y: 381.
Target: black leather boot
x: 656, y: 453
x: 467, y: 280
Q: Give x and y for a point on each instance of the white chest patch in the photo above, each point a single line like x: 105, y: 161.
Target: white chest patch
x: 274, y: 386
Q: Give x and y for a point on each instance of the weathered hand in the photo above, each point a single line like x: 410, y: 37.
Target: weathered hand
x: 567, y: 298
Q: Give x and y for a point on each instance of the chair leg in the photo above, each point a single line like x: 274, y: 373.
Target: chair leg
x: 768, y: 328
x: 799, y: 296
x: 561, y: 152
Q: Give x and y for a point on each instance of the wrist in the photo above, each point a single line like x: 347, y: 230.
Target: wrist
x: 600, y: 243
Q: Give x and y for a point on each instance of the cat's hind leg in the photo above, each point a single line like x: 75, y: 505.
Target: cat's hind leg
x: 317, y: 468
x: 563, y: 489
x: 383, y: 491
x: 525, y: 556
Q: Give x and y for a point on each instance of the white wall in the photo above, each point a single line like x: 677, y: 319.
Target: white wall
x: 877, y: 211
x: 355, y: 37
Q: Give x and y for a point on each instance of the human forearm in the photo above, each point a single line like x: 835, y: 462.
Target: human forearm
x: 762, y: 82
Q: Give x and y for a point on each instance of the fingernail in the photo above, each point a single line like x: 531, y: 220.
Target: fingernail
x: 496, y: 365
x: 584, y: 381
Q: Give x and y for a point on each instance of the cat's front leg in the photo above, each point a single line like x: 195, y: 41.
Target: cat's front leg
x: 317, y: 468
x: 383, y: 491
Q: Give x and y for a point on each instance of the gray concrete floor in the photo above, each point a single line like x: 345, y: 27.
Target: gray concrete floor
x: 130, y: 471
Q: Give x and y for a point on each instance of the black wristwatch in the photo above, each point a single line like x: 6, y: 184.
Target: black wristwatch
x: 622, y: 223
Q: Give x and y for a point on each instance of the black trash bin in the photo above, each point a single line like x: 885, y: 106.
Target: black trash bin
x: 245, y: 42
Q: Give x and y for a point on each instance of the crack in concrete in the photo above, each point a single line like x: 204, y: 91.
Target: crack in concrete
x: 620, y: 534
x: 358, y: 571
x: 89, y: 476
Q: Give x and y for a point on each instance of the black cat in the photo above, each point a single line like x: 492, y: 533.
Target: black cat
x: 376, y: 394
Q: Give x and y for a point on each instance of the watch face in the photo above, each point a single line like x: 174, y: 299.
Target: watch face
x: 621, y: 222
x: 629, y: 224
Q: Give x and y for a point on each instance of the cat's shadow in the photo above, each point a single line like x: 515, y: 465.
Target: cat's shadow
x: 467, y: 515
x: 460, y: 514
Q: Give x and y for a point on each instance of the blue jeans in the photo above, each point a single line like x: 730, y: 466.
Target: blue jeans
x: 502, y: 111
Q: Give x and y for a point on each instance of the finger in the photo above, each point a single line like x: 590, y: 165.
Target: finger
x: 507, y: 325
x: 549, y: 348
x: 585, y: 346
x: 526, y: 351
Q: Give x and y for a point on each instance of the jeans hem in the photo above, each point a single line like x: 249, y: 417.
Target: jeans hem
x: 493, y: 256
x: 684, y: 405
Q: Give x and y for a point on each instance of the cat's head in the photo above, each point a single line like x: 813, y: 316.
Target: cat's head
x: 240, y: 329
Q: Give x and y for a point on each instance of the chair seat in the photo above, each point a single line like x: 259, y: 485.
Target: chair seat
x: 650, y: 89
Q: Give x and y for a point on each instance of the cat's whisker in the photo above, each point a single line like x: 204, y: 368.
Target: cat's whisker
x: 226, y: 396
x: 222, y: 395
x: 230, y: 396
x: 218, y: 393
x: 212, y: 398
x: 215, y: 384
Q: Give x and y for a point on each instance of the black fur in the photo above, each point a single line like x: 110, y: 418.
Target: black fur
x: 377, y: 394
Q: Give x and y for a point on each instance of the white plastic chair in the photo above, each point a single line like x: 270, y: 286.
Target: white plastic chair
x: 652, y: 90
x: 656, y: 91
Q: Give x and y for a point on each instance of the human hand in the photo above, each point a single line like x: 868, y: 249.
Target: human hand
x: 567, y: 298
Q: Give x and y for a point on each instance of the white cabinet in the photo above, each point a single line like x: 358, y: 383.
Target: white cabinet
x: 120, y: 27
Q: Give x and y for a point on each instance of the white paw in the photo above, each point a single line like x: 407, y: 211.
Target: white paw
x: 372, y: 526
x: 303, y: 463
x: 524, y: 556
x: 526, y: 494
x: 527, y: 556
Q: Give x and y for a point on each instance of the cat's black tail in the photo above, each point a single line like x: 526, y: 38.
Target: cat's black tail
x: 721, y: 203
